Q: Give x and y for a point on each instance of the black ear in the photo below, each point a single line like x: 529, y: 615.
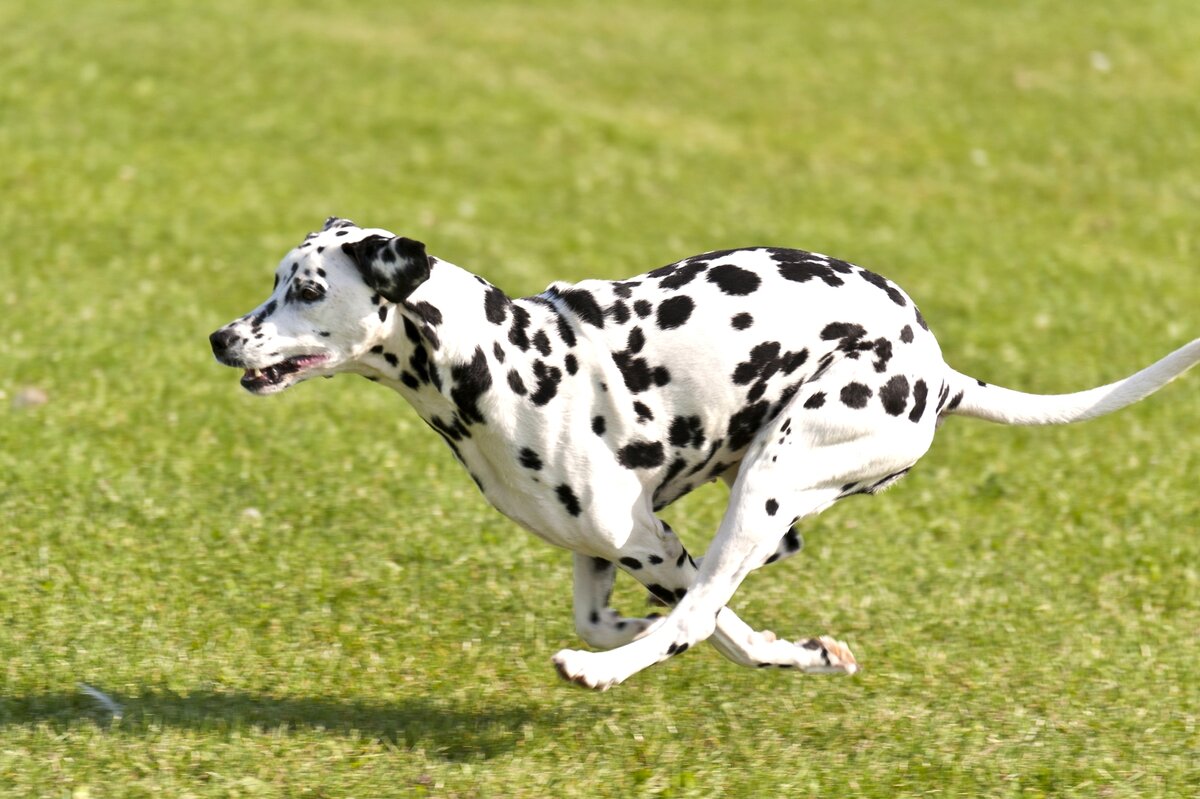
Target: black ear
x: 394, y: 267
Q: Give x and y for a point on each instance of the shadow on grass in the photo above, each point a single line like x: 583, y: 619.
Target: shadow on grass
x: 443, y: 729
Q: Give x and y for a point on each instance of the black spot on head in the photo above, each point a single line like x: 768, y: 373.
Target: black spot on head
x: 383, y: 312
x: 644, y: 414
x: 734, y: 280
x: 655, y: 560
x: 391, y: 359
x: 675, y: 311
x: 640, y: 454
x: 598, y: 425
x: 855, y: 395
x: 631, y: 563
x: 741, y: 321
x: 894, y: 395
x: 568, y: 499
x: 772, y: 507
x: 409, y: 380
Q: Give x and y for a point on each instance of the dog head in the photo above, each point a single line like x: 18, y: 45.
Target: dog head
x: 331, y: 303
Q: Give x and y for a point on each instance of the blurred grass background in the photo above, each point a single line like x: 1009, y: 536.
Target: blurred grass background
x: 306, y: 596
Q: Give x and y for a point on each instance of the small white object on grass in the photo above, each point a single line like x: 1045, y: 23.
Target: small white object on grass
x: 103, y: 699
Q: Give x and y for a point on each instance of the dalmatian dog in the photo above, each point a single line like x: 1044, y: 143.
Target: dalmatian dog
x: 798, y: 379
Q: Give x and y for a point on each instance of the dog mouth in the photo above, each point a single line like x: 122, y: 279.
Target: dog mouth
x: 278, y: 375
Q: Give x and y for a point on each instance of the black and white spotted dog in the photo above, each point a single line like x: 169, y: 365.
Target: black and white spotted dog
x: 798, y: 379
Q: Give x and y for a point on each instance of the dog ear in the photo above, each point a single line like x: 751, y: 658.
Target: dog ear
x: 394, y: 267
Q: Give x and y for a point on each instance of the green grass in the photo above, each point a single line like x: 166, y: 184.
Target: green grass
x: 305, y: 596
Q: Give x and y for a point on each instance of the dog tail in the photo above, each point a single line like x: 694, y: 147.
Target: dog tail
x: 970, y: 397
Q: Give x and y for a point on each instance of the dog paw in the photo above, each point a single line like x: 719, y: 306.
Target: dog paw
x: 828, y: 656
x: 573, y: 666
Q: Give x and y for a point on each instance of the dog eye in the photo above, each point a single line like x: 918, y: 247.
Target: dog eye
x: 311, y: 293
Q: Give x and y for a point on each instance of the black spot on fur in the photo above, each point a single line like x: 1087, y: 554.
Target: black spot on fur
x: 516, y: 383
x: 643, y: 308
x: 920, y: 319
x: 631, y: 563
x: 855, y: 395
x: 471, y: 380
x: 885, y: 285
x: 954, y: 403
x: 920, y: 395
x: 741, y: 321
x: 517, y: 332
x: 637, y: 340
x: 498, y: 352
x: 548, y: 378
x: 686, y: 431
x: 530, y: 460
x: 734, y: 280
x: 883, y: 354
x: 894, y: 395
x: 804, y: 271
x: 906, y: 335
x: 842, y: 330
x: 584, y: 305
x: 772, y: 507
x: 675, y: 311
x: 681, y: 275
x: 568, y: 499
x: 815, y: 401
x: 571, y: 365
x: 541, y: 342
x: 641, y: 455
x: 619, y: 312
x: 644, y: 414
x: 744, y: 424
x: 495, y: 306
x: 598, y: 425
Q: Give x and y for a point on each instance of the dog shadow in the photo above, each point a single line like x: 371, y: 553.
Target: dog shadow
x: 443, y: 729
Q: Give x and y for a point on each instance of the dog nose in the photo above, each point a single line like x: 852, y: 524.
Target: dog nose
x: 222, y: 340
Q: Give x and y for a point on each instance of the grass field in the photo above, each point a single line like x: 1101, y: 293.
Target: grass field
x: 306, y: 596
